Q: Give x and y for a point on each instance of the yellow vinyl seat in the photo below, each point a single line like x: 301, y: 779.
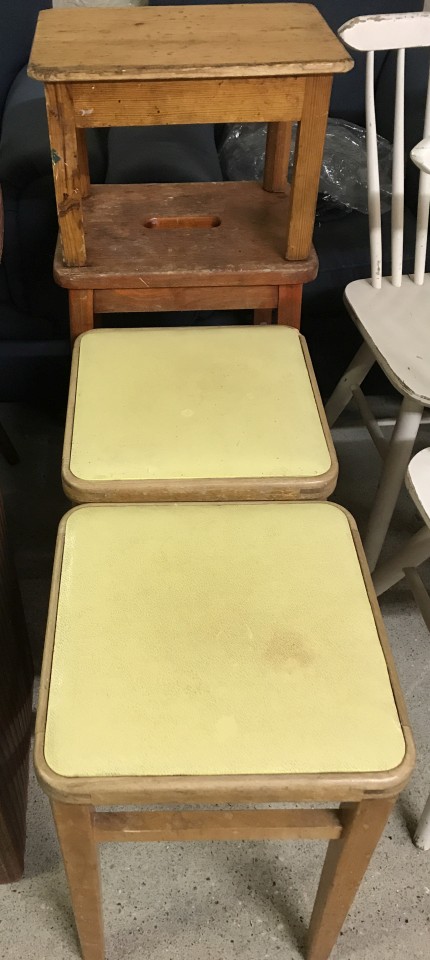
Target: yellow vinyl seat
x: 215, y: 639
x: 229, y: 413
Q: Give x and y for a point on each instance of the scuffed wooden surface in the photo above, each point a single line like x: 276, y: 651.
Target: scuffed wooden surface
x: 193, y: 41
x: 246, y: 248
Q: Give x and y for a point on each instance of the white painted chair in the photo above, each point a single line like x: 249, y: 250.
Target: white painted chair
x: 422, y: 835
x: 417, y: 550
x: 404, y: 564
x: 391, y: 313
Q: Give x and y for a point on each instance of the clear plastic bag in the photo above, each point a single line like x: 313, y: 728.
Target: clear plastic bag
x: 344, y: 168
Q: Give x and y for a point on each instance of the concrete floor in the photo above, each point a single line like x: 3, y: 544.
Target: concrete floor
x: 219, y: 900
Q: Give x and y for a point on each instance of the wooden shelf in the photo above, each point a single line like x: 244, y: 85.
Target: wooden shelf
x: 244, y: 246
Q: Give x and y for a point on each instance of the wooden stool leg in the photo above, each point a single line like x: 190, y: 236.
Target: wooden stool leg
x: 74, y: 823
x: 345, y: 865
x: 289, y: 312
x: 67, y: 150
x: 307, y: 166
x: 81, y: 312
x: 263, y: 316
x: 277, y: 157
x: 83, y: 167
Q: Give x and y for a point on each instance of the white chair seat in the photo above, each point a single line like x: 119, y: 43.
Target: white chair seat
x: 418, y: 482
x: 395, y: 322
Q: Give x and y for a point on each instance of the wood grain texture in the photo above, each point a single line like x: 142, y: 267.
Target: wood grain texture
x: 65, y: 155
x: 124, y: 103
x: 260, y: 299
x: 234, y: 40
x: 221, y: 489
x: 81, y: 312
x: 346, y: 862
x: 278, y: 146
x: 356, y: 829
x: 74, y: 826
x: 187, y: 298
x: 217, y: 825
x: 290, y: 305
x: 16, y: 684
x: 307, y: 167
x: 246, y: 249
x: 83, y: 168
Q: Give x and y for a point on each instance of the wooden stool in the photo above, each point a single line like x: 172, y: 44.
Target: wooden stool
x: 218, y: 654
x: 187, y: 246
x: 198, y: 413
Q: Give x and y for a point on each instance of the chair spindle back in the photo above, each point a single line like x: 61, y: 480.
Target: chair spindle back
x: 392, y: 32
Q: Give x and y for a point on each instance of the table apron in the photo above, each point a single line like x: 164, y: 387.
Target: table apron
x: 133, y: 103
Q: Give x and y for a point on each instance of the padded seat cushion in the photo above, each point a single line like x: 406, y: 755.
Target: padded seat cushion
x: 193, y: 403
x: 215, y: 639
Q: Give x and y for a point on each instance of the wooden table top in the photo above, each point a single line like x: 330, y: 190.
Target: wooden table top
x: 236, y: 40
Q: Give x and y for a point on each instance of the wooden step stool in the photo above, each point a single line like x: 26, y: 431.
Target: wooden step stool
x: 198, y: 413
x: 187, y: 246
x: 218, y: 654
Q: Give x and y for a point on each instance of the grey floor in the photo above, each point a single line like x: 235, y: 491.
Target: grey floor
x: 218, y: 901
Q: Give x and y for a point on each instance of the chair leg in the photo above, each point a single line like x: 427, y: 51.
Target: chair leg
x: 81, y: 312
x: 353, y: 377
x: 393, y: 473
x: 415, y: 552
x: 345, y: 865
x: 74, y: 823
x: 422, y: 834
x: 420, y: 593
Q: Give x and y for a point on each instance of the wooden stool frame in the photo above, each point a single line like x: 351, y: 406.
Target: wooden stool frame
x: 353, y: 829
x: 108, y: 95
